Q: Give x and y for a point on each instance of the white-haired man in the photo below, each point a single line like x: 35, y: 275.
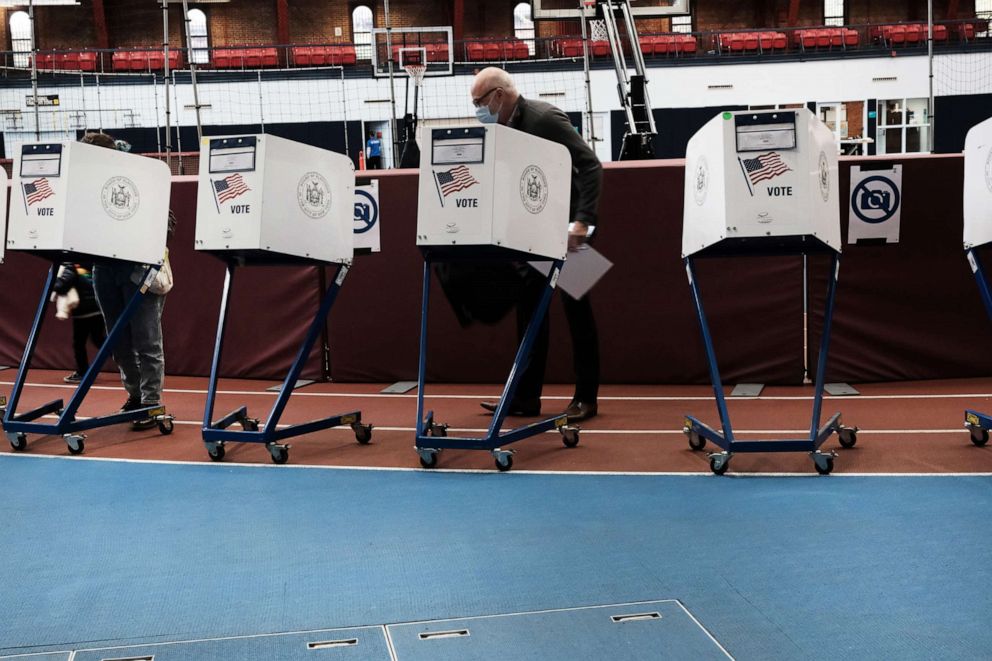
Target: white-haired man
x: 497, y: 100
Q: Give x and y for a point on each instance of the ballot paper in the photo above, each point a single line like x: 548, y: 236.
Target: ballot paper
x: 582, y: 270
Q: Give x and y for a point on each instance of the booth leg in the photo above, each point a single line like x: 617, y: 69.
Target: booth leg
x: 721, y: 402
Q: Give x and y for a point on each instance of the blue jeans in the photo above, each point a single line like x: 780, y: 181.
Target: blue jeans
x: 138, y: 351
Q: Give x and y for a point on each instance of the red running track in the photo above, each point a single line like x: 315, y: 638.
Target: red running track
x: 906, y: 427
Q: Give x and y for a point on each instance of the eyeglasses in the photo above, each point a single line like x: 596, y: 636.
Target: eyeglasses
x: 478, y: 102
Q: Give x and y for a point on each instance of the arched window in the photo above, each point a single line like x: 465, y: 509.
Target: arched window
x: 20, y: 38
x: 523, y: 25
x: 199, y: 42
x: 361, y: 32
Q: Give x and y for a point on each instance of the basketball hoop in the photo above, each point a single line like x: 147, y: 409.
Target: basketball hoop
x: 416, y: 71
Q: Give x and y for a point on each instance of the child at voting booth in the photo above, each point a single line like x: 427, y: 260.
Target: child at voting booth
x: 75, y: 298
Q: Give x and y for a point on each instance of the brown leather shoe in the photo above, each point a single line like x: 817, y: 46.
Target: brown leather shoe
x: 579, y: 411
x: 516, y: 409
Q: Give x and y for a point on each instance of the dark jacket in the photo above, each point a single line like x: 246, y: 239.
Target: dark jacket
x: 548, y: 122
x: 79, y: 276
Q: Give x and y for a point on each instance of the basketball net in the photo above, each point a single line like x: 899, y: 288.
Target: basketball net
x: 417, y: 72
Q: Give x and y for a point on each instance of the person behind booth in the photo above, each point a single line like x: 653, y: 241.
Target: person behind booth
x: 138, y: 352
x: 374, y: 151
x: 87, y: 321
x: 497, y: 100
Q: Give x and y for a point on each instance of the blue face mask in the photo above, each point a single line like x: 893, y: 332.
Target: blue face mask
x: 485, y: 115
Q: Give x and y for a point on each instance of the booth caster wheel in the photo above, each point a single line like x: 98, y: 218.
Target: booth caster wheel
x: 979, y: 436
x: 250, y: 424
x: 165, y: 425
x: 504, y: 459
x: 18, y: 441
x: 848, y: 436
x: 215, y: 451
x: 824, y: 463
x: 75, y: 443
x: 363, y: 433
x: 280, y: 453
x: 696, y: 442
x: 720, y: 462
x: 428, y: 457
x: 569, y: 436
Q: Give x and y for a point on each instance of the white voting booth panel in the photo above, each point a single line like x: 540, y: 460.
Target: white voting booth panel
x: 79, y: 198
x: 753, y: 175
x: 978, y: 185
x: 494, y: 186
x: 269, y: 194
x: 3, y: 212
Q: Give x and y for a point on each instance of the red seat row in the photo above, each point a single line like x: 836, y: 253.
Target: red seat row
x: 911, y: 33
x: 316, y: 56
x: 752, y: 41
x: 67, y: 61
x: 573, y: 48
x: 826, y: 38
x: 667, y: 44
x: 143, y: 60
x: 435, y: 51
x: 504, y: 49
x: 252, y: 58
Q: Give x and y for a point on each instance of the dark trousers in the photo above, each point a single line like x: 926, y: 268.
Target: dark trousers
x: 87, y: 328
x: 374, y: 162
x: 585, y: 342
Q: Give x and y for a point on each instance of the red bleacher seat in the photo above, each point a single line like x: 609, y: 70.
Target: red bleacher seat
x: 87, y: 61
x: 138, y: 60
x: 345, y: 54
x: 520, y: 50
x: 474, y: 51
x: 302, y: 56
x: 914, y: 33
x: 121, y: 61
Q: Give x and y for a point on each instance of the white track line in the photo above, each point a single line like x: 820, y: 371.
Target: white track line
x: 617, y: 432
x: 226, y: 464
x: 609, y: 398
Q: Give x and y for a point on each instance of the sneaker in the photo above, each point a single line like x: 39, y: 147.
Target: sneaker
x: 75, y: 377
x: 131, y: 405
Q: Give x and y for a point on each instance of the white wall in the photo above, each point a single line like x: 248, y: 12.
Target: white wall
x: 333, y: 99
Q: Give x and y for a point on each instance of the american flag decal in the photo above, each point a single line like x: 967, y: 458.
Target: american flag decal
x: 764, y: 167
x: 454, y: 180
x: 230, y: 187
x: 37, y: 190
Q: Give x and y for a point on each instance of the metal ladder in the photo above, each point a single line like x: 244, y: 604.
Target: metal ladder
x: 632, y: 88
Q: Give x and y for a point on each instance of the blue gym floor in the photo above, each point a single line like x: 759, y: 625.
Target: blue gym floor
x: 112, y: 559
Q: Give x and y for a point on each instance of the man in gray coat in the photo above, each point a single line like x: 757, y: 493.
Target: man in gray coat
x: 497, y: 100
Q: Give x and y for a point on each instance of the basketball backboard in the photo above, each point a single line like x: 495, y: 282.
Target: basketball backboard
x: 435, y: 43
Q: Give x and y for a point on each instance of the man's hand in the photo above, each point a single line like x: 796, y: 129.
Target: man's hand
x: 577, y: 231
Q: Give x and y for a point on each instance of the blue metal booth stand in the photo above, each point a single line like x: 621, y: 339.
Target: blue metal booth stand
x: 217, y: 433
x: 432, y: 437
x: 978, y: 232
x: 18, y: 426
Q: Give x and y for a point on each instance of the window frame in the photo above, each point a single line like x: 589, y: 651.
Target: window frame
x: 834, y: 19
x: 199, y: 44
x: 22, y: 56
x: 526, y: 34
x: 363, y: 46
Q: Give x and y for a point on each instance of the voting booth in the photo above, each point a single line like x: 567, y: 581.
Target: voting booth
x: 73, y: 201
x: 496, y: 190
x: 71, y: 198
x: 978, y: 233
x: 271, y: 199
x: 760, y: 183
x: 491, y: 192
x: 268, y: 200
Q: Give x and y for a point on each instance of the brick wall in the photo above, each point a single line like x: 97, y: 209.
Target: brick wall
x: 253, y: 22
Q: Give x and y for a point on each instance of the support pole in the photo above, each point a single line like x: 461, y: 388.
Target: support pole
x: 168, y: 104
x: 585, y: 66
x: 392, y: 90
x: 930, y: 104
x: 192, y: 74
x: 34, y: 71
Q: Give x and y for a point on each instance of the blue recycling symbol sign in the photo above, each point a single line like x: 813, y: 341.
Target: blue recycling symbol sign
x: 875, y: 199
x: 366, y: 211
